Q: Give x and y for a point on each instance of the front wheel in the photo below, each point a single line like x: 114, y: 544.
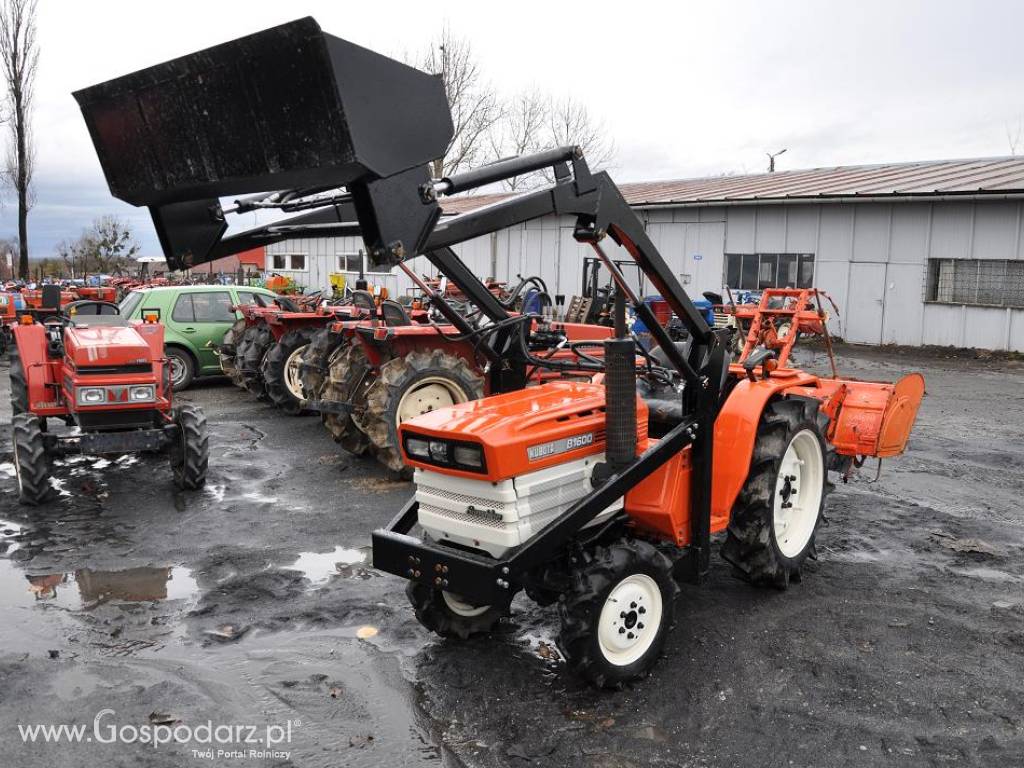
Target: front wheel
x: 31, y: 460
x: 190, y: 452
x: 773, y: 522
x: 617, y: 613
x: 449, y: 615
x: 282, y: 370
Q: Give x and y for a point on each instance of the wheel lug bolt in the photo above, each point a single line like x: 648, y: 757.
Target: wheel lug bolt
x: 632, y: 605
x: 630, y: 636
x: 640, y: 625
x: 622, y: 630
x: 622, y: 614
x: 642, y: 609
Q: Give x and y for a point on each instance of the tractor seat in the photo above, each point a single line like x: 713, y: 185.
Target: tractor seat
x: 394, y: 314
x: 659, y: 356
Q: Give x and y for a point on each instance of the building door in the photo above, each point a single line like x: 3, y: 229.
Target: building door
x: 865, y: 303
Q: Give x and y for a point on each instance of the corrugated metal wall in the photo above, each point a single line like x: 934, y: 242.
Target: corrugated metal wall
x: 871, y: 257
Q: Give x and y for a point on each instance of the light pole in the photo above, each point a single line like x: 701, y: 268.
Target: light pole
x: 771, y: 159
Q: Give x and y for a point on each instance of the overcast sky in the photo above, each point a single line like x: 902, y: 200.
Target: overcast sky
x: 684, y: 89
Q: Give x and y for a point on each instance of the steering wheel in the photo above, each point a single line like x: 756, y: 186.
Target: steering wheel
x: 89, y: 307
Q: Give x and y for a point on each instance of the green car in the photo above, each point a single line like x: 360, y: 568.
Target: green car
x: 195, y: 317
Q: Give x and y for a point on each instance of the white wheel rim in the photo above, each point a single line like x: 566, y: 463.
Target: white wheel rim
x: 428, y: 395
x: 293, y: 373
x: 459, y: 607
x: 798, y: 491
x: 630, y: 619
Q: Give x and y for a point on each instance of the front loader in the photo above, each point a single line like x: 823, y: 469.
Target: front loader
x: 596, y: 495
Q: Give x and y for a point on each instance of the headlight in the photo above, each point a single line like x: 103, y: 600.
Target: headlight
x: 447, y: 453
x: 418, y: 448
x: 469, y: 456
x: 439, y: 450
x: 142, y: 394
x: 91, y: 395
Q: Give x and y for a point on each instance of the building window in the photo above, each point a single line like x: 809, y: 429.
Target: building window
x: 353, y: 263
x: 286, y: 261
x: 982, y: 282
x: 755, y: 271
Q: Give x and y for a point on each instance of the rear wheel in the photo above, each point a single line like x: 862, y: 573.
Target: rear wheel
x: 190, y: 452
x: 617, y: 612
x: 31, y: 461
x: 316, y: 360
x: 348, y: 376
x: 183, y: 368
x: 410, y: 386
x: 19, y: 386
x: 449, y: 615
x: 773, y: 522
x: 251, y: 368
x: 282, y: 370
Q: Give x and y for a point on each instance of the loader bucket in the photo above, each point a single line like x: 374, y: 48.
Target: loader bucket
x: 290, y: 107
x: 876, y: 419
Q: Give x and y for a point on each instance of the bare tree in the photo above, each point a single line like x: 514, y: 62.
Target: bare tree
x: 521, y: 131
x: 107, y: 246
x: 571, y: 124
x: 19, y: 59
x: 472, y: 101
x: 1015, y: 135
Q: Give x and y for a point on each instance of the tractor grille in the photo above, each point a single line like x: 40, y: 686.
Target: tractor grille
x: 462, y: 499
x: 106, y: 370
x: 474, y: 517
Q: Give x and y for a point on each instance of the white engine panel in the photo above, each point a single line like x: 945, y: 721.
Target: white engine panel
x: 497, y: 517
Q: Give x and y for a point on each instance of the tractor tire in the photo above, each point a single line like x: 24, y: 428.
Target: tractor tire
x: 252, y: 355
x: 228, y: 350
x: 617, y: 613
x: 236, y: 363
x: 19, y: 385
x: 282, y: 370
x: 348, y: 378
x: 407, y: 387
x: 447, y: 615
x: 775, y: 516
x: 317, y: 360
x: 190, y: 454
x: 32, y: 464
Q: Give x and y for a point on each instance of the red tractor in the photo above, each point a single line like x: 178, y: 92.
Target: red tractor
x: 108, y: 377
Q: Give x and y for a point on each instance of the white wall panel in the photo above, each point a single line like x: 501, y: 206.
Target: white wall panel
x: 910, y: 232
x: 995, y: 231
x: 951, y: 231
x: 871, y: 233
x: 771, y: 229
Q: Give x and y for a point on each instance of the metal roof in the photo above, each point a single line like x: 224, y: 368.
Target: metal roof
x: 995, y: 176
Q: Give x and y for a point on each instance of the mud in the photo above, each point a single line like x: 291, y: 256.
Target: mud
x: 253, y: 602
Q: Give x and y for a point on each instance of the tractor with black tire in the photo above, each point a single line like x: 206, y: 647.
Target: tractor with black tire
x: 597, y: 496
x: 95, y: 370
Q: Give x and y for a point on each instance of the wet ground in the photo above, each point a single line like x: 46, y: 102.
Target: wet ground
x: 252, y: 603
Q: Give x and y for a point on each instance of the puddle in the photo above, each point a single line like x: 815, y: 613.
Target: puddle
x: 319, y: 567
x: 217, y: 490
x: 86, y: 588
x: 7, y: 469
x: 986, y: 574
x: 259, y: 498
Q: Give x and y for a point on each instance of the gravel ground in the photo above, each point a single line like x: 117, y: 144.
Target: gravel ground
x: 252, y: 603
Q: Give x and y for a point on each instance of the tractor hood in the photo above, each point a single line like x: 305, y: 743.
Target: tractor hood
x: 522, y: 431
x: 99, y: 345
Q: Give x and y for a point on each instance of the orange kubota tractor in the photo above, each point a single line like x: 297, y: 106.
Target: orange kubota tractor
x: 595, y: 495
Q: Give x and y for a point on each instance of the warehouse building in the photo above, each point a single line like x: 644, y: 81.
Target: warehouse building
x: 912, y: 253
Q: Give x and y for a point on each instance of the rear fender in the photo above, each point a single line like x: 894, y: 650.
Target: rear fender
x: 736, y: 431
x: 153, y: 333
x: 42, y: 374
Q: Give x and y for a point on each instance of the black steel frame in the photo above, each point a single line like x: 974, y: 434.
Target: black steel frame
x: 600, y: 212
